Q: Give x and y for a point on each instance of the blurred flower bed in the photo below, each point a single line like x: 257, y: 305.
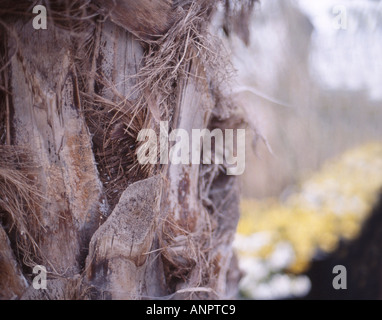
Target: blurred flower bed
x: 277, y: 240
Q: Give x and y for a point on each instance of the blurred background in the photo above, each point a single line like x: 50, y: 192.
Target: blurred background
x: 310, y: 80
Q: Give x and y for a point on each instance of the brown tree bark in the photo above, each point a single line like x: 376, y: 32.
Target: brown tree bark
x: 105, y: 229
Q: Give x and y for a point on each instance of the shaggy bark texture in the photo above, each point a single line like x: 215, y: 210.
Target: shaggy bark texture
x: 73, y: 98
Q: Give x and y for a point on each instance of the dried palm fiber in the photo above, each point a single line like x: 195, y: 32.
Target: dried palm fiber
x: 20, y: 201
x: 115, y: 121
x: 166, y: 61
x: 19, y: 197
x: 188, y: 254
x: 115, y: 124
x: 107, y: 119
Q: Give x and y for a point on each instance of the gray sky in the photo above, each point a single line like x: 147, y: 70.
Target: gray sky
x: 346, y: 45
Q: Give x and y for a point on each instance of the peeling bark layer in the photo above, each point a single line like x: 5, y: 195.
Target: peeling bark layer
x: 167, y: 235
x: 119, y: 250
x: 146, y: 19
x: 47, y: 118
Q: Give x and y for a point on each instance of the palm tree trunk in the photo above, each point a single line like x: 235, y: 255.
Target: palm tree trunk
x: 104, y: 226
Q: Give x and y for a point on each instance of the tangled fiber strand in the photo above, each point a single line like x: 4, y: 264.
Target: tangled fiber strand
x: 188, y: 255
x: 20, y: 201
x: 114, y: 145
x: 167, y: 60
x: 114, y: 128
x: 115, y: 124
x: 19, y: 197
